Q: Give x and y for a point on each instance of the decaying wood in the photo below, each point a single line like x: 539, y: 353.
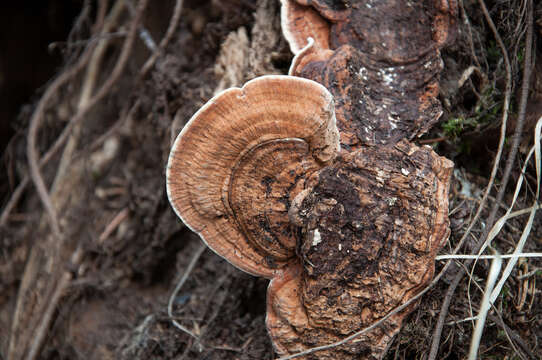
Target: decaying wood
x: 384, y: 65
x: 372, y: 224
x: 366, y: 250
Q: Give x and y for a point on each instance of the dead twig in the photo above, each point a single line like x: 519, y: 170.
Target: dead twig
x: 47, y: 316
x: 35, y: 121
x: 87, y: 88
x: 100, y: 15
x: 36, y: 118
x: 63, y: 79
x: 492, y: 306
x: 125, y: 115
x: 84, y: 108
x: 513, y: 335
x: 466, y: 20
x: 78, y: 117
x: 117, y: 220
x: 178, y: 287
x: 516, y: 137
x: 77, y: 29
x: 173, y: 23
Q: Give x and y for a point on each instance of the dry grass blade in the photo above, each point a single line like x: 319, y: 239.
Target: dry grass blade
x: 508, y: 215
x: 512, y: 337
x: 527, y: 230
x: 485, y: 306
x: 492, y: 257
x: 494, y: 231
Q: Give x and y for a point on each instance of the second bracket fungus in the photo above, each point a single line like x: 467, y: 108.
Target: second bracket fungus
x: 372, y: 223
x: 379, y: 59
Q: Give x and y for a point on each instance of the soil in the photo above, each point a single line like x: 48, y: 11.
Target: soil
x: 123, y: 250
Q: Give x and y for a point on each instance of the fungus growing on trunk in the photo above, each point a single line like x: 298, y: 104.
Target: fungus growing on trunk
x: 344, y: 237
x: 302, y: 22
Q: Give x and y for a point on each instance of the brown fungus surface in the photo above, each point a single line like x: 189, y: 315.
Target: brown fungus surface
x: 373, y: 223
x: 384, y: 77
x: 395, y: 31
x: 302, y: 22
x: 238, y: 163
x: 334, y: 10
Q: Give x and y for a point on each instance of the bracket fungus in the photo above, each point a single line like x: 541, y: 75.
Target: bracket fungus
x: 302, y: 22
x: 240, y: 160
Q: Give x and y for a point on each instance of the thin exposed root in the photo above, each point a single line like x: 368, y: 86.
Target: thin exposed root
x: 59, y: 285
x: 178, y: 287
x: 174, y: 22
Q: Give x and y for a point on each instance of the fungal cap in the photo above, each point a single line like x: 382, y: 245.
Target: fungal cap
x: 299, y: 23
x: 310, y: 53
x: 277, y: 114
x: 285, y: 311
